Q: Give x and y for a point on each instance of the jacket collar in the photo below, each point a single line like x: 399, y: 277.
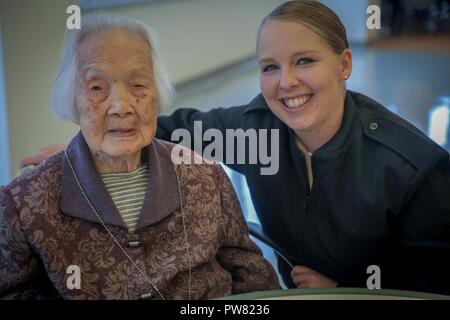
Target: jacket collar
x: 258, y: 103
x: 161, y: 199
x: 342, y: 138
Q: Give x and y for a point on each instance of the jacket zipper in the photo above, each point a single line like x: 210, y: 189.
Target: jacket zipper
x: 306, y: 205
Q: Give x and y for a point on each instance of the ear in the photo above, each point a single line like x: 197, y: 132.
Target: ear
x: 346, y: 64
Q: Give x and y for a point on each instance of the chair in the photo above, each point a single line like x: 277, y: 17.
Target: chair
x: 256, y: 231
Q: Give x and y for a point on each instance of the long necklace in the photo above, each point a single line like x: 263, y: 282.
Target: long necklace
x: 141, y: 270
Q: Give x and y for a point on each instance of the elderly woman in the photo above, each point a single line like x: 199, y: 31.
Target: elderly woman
x: 111, y: 217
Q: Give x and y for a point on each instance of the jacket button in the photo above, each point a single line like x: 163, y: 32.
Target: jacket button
x: 373, y: 126
x: 134, y: 243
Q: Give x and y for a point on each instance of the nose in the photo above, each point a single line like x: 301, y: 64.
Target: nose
x: 121, y: 102
x: 288, y: 79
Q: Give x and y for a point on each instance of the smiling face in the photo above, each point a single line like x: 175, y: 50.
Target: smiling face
x: 302, y: 78
x: 115, y: 95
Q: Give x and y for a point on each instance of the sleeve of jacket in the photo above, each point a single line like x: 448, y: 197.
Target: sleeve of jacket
x: 18, y: 266
x: 219, y: 119
x: 425, y: 227
x: 238, y: 254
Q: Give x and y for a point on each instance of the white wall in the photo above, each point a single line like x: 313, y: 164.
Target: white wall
x: 196, y: 36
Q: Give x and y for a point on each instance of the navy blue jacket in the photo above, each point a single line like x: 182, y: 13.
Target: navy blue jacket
x: 381, y: 195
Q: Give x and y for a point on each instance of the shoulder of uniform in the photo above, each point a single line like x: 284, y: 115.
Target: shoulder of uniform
x: 258, y: 103
x: 393, y: 132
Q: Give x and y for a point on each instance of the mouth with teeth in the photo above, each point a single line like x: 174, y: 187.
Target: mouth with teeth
x: 296, y: 103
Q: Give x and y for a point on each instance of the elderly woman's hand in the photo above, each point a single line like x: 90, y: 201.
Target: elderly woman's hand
x: 304, y: 277
x: 42, y: 154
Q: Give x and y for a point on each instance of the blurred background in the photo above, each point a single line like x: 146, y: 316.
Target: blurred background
x: 209, y: 46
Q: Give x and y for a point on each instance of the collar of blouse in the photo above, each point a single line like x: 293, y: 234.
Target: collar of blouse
x: 161, y: 199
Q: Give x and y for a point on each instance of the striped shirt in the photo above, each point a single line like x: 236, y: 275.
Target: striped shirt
x: 127, y: 191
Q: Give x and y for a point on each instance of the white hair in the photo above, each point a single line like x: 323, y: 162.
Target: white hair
x: 63, y: 93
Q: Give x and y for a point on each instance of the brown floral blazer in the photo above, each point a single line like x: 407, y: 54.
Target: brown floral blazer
x: 47, y: 225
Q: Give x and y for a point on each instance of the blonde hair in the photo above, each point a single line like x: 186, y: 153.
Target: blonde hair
x: 315, y: 16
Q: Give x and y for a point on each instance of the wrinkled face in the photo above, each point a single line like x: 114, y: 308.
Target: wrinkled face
x: 115, y: 94
x: 302, y: 79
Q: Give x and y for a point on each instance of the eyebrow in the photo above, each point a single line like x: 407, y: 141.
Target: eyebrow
x: 298, y: 53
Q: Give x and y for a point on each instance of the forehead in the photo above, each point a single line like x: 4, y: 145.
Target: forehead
x: 280, y: 36
x: 115, y: 49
